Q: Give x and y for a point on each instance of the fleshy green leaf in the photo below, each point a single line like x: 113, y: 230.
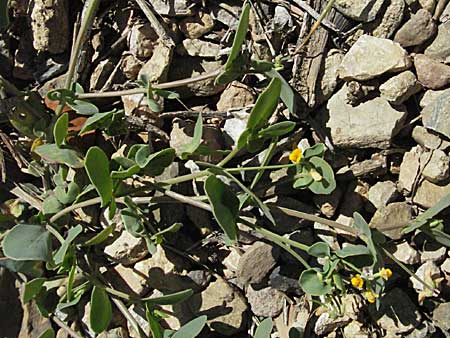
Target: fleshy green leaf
x: 27, y: 242
x: 51, y: 205
x: 277, y: 129
x: 155, y: 328
x: 353, y: 250
x: 132, y: 222
x: 97, y: 120
x: 101, y: 236
x: 67, y: 195
x: 122, y: 174
x: 265, y: 105
x: 54, y: 154
x: 60, y: 129
x: 101, y: 310
x: 316, y: 150
x: 287, y: 95
x: 327, y: 184
x: 192, y: 146
x: 191, y: 329
x: 170, y: 299
x: 320, y: 249
x: 49, y: 333
x: 83, y: 107
x: 312, y: 283
x: 97, y: 168
x: 154, y: 164
x: 32, y: 288
x: 225, y: 205
x: 365, y: 234
x: 239, y: 37
x: 71, y: 235
x: 264, y: 329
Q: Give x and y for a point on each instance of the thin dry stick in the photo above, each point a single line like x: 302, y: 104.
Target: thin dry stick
x: 65, y: 327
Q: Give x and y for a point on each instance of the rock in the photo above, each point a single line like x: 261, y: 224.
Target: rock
x: 436, y: 116
x: 355, y: 330
x: 437, y: 166
x: 397, y: 313
x: 358, y: 91
x: 101, y: 74
x: 234, y: 127
x: 164, y: 271
x: 127, y: 249
x: 428, y: 194
x: 284, y: 283
x: 391, y: 19
x: 391, y: 219
x: 282, y: 20
x: 200, y: 277
x: 445, y: 267
x: 328, y: 204
x: 430, y: 96
x: 404, y: 253
x: 231, y: 262
x: 119, y: 332
x: 428, y: 140
x: 33, y: 323
x: 400, y: 87
x: 433, y: 253
x: 329, y: 76
x: 382, y: 193
x: 327, y: 234
x: 186, y: 67
x: 196, y: 26
x: 441, y: 317
x: 224, y: 305
x: 428, y: 270
x: 327, y: 323
x: 363, y: 10
x: 126, y: 279
x: 371, y: 124
x: 445, y: 16
x: 429, y: 5
x: 131, y: 66
x: 266, y: 302
x: 236, y: 95
x: 142, y: 40
x: 439, y: 49
x: 370, y: 57
x: 50, y: 25
x: 138, y: 313
x: 355, y: 198
x: 196, y: 47
x: 409, y: 170
x: 431, y: 73
x: 417, y: 30
x: 157, y: 68
x: 173, y: 8
x: 256, y: 263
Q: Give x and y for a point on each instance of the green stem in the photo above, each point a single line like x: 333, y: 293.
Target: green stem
x: 229, y: 157
x: 267, y: 158
x: 55, y: 233
x: 273, y: 236
x: 123, y: 309
x: 185, y: 178
x: 350, y: 265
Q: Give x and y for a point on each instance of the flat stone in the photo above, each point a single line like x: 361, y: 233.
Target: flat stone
x: 327, y: 234
x: 417, y: 30
x: 196, y: 47
x: 131, y: 66
x: 101, y: 74
x: 234, y: 127
x: 439, y: 49
x: 363, y: 10
x: 284, y: 283
x: 404, y: 252
x: 430, y: 96
x: 445, y: 267
x: 441, y: 317
x: 435, y: 253
x: 224, y: 305
x: 50, y: 25
x: 127, y: 249
x: 445, y: 16
x: 391, y: 219
x: 355, y: 330
x: 431, y: 73
x: 428, y: 140
x: 157, y: 68
x: 409, y: 170
x: 329, y: 76
x: 256, y: 263
x: 173, y: 8
x: 142, y: 40
x: 397, y: 313
x: 371, y: 124
x: 327, y: 323
x: 428, y: 270
x: 370, y: 57
x: 428, y: 194
x: 126, y: 279
x: 436, y: 116
x: 236, y: 95
x: 196, y: 26
x: 437, y: 166
x: 266, y: 302
x: 401, y: 87
x: 382, y: 193
x: 387, y: 24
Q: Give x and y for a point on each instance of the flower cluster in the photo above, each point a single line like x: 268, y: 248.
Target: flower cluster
x: 358, y: 282
x: 296, y: 155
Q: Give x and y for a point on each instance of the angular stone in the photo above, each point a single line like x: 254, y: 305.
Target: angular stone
x: 126, y: 279
x: 382, y: 193
x: 428, y: 140
x: 224, y: 305
x: 142, y: 40
x: 50, y: 25
x: 437, y: 166
x: 440, y: 48
x: 434, y: 253
x: 428, y: 270
x: 397, y: 313
x: 196, y: 26
x: 127, y: 249
x: 430, y: 96
x: 399, y: 88
x: 266, y: 302
x: 256, y: 263
x: 441, y: 317
x: 431, y: 73
x: 157, y: 68
x: 370, y: 57
x: 101, y: 74
x: 327, y: 323
x: 234, y: 127
x: 33, y: 323
x: 404, y: 253
x: 328, y: 204
x: 196, y: 47
x: 428, y: 194
x: 359, y: 10
x: 409, y: 170
x: 173, y: 8
x: 417, y: 30
x: 131, y: 66
x: 390, y: 21
x: 436, y: 116
x: 355, y: 330
x: 445, y: 267
x: 391, y: 219
x: 371, y: 124
x: 329, y: 76
x: 236, y: 95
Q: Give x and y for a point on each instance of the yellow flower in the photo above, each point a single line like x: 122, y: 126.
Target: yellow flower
x: 370, y: 296
x: 385, y: 273
x: 296, y: 155
x: 357, y: 281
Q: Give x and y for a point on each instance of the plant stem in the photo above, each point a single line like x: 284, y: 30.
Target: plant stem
x: 123, y: 309
x: 273, y: 236
x: 265, y: 162
x: 228, y: 158
x: 55, y: 233
x: 185, y: 178
x: 65, y: 327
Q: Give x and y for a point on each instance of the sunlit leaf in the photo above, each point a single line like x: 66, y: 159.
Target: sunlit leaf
x: 327, y: 184
x: 98, y: 120
x: 319, y: 249
x: 32, y: 288
x: 60, y: 129
x: 192, y: 146
x: 97, y: 168
x: 311, y: 281
x: 54, y: 154
x: 83, y: 107
x: 71, y: 235
x: 191, y: 329
x: 264, y: 329
x: 170, y: 299
x: 101, y: 310
x: 101, y: 236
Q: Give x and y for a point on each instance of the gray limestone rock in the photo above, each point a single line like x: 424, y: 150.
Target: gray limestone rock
x: 127, y: 249
x: 439, y: 49
x: 436, y: 116
x: 436, y: 166
x: 381, y: 193
x: 428, y: 194
x: 391, y: 219
x: 359, y: 10
x: 417, y: 30
x: 266, y: 302
x: 401, y: 87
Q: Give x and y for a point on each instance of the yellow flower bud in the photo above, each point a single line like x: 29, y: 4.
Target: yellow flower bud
x: 370, y: 296
x: 296, y: 155
x: 385, y: 273
x: 357, y: 281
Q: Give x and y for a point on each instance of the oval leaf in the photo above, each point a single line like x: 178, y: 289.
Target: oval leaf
x: 312, y: 283
x: 54, y: 154
x: 320, y: 249
x: 83, y: 107
x: 239, y: 37
x: 101, y: 310
x: 97, y: 168
x: 96, y: 121
x: 191, y: 147
x: 265, y: 105
x: 353, y: 250
x: 327, y: 184
x: 191, y: 329
x: 225, y: 205
x: 60, y: 129
x: 171, y: 299
x: 27, y: 242
x: 101, y: 236
x: 264, y: 329
x: 277, y: 129
x: 32, y: 288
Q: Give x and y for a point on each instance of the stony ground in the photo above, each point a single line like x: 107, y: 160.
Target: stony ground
x: 373, y: 84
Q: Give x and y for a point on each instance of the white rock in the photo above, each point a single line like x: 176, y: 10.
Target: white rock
x: 382, y: 193
x: 437, y: 166
x: 436, y: 256
x: 400, y: 87
x: 142, y: 40
x: 196, y: 47
x: 266, y: 302
x: 409, y: 169
x: 428, y: 194
x: 405, y: 253
x: 127, y: 249
x: 427, y: 270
